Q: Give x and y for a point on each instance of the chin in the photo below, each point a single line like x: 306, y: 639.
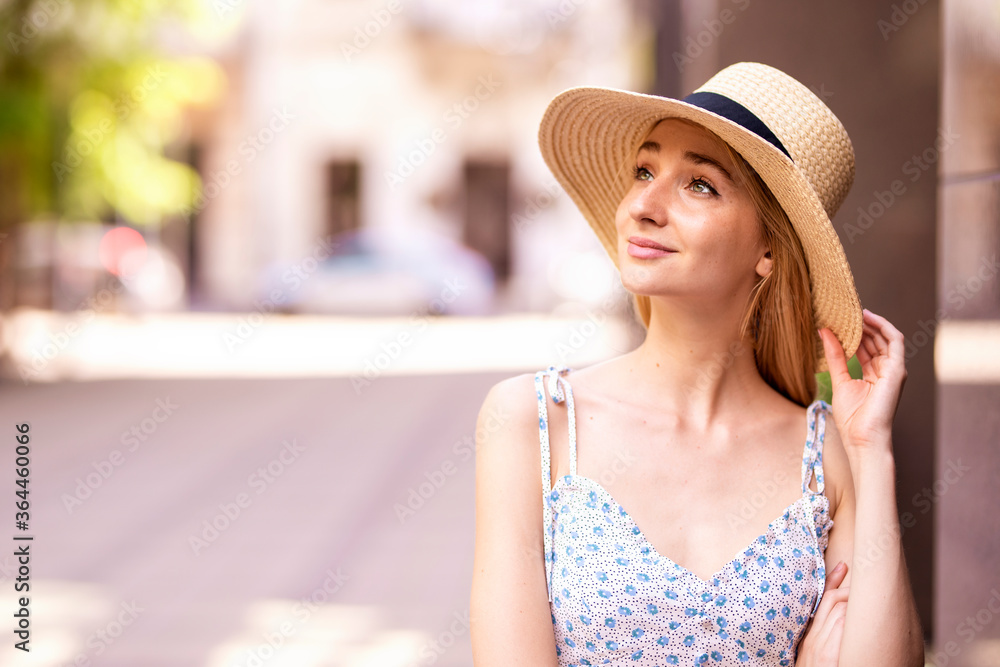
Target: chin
x: 639, y: 280
x: 641, y: 269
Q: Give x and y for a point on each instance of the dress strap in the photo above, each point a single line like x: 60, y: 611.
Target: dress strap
x: 560, y: 390
x: 812, y: 456
x: 556, y: 387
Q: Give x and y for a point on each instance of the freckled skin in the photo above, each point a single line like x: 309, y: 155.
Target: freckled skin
x: 695, y: 209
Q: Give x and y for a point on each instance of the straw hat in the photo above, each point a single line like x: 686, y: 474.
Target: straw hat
x: 589, y: 138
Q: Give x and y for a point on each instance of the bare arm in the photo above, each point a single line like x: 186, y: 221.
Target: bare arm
x: 510, y: 619
x: 881, y: 625
x: 882, y: 618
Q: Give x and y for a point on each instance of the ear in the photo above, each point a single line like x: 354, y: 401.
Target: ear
x: 764, y: 264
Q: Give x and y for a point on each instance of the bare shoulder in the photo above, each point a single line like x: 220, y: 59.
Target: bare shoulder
x: 836, y: 465
x: 509, y: 608
x: 507, y: 447
x: 509, y: 409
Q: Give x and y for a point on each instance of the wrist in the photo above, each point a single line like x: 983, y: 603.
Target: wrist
x: 872, y: 462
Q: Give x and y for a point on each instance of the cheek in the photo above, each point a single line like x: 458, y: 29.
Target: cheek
x: 621, y: 214
x: 724, y: 241
x: 622, y: 222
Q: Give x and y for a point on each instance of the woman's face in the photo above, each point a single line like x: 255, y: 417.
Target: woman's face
x: 684, y: 197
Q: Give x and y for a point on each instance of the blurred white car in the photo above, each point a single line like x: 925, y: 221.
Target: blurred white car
x: 367, y: 274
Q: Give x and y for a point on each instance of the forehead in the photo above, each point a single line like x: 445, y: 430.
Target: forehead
x: 682, y: 134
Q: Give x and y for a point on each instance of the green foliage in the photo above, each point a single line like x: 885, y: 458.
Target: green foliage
x: 824, y: 389
x: 89, y: 107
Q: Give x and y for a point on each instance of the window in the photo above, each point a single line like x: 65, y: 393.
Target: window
x: 343, y: 197
x: 487, y: 213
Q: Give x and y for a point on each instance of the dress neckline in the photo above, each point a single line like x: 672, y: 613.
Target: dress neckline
x: 719, y: 574
x: 561, y: 391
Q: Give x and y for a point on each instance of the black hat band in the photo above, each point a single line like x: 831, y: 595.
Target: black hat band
x: 736, y: 112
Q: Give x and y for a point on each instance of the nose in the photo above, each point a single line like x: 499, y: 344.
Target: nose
x: 650, y: 203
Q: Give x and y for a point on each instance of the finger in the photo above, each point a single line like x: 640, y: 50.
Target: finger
x: 834, y: 613
x: 889, y: 333
x: 869, y: 316
x: 868, y: 340
x: 836, y: 576
x: 868, y: 361
x: 890, y: 343
x: 829, y: 602
x: 831, y: 635
x: 835, y: 360
x: 864, y: 360
x: 879, y: 345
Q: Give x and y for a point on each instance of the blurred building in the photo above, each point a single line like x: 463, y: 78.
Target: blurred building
x: 407, y: 132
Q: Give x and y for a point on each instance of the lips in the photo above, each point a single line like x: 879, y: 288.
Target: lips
x: 643, y: 248
x: 648, y: 243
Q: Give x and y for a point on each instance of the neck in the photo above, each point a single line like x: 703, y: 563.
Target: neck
x: 694, y: 361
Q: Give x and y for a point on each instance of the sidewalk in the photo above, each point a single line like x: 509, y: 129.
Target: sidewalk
x: 47, y: 346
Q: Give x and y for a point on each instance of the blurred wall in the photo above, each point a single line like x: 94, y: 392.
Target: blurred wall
x: 967, y: 573
x: 877, y: 67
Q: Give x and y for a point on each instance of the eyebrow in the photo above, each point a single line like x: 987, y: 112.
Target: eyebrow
x: 691, y: 156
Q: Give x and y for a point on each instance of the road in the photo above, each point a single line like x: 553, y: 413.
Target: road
x: 245, y: 522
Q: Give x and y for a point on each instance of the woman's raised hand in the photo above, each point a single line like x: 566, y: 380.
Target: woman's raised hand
x: 864, y: 409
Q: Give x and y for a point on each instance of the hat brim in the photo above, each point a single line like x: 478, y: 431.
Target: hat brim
x: 588, y: 137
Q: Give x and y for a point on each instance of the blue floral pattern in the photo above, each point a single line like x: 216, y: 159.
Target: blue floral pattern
x: 615, y: 600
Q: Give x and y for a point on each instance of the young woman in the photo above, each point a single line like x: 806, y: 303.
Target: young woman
x: 697, y: 504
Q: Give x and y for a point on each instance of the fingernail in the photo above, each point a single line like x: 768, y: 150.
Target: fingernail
x: 840, y: 566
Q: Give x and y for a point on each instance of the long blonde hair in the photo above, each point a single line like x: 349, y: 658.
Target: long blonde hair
x: 779, y: 314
